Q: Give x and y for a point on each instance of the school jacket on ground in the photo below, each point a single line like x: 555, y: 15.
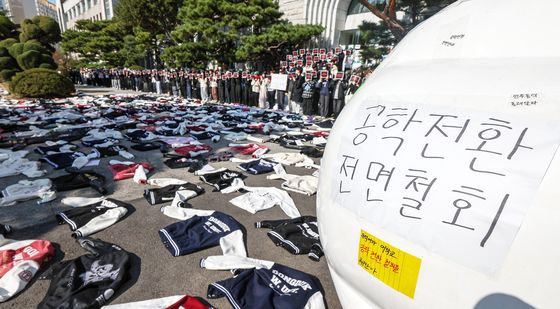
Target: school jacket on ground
x: 306, y: 184
x: 124, y: 170
x: 93, y: 218
x: 259, y: 166
x: 88, y: 281
x: 178, y: 194
x: 26, y: 190
x: 201, y: 229
x: 77, y: 179
x: 220, y: 179
x: 170, y: 302
x: 19, y: 262
x: 16, y: 166
x: 297, y: 236
x: 264, y: 284
x: 261, y: 198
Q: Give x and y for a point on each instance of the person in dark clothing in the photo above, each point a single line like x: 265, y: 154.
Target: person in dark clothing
x: 195, y: 89
x: 238, y: 90
x: 221, y: 89
x: 338, y: 95
x: 245, y: 89
x: 227, y: 90
x: 296, y: 98
x: 188, y: 86
x: 325, y: 86
x: 308, y: 96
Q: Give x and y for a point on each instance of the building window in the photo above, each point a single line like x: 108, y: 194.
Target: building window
x: 357, y: 8
x: 108, y: 9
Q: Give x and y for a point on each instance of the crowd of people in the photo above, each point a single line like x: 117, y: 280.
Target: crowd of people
x: 318, y: 83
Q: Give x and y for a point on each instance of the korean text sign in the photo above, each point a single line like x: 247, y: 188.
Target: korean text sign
x: 455, y: 181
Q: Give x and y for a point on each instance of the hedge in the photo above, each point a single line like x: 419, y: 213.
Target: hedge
x: 41, y: 83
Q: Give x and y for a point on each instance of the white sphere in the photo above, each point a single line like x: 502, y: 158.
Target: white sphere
x: 478, y: 60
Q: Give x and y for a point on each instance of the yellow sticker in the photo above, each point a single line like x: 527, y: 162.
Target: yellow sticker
x: 389, y: 264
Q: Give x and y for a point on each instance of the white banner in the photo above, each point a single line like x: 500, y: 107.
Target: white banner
x: 279, y: 82
x: 455, y: 181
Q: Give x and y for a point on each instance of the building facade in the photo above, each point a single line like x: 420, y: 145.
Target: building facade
x: 46, y: 8
x: 18, y: 10
x: 70, y: 11
x: 340, y: 18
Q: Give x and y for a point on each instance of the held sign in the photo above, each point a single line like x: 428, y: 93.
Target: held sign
x: 279, y: 81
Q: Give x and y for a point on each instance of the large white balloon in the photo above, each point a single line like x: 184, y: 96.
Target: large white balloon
x: 477, y: 60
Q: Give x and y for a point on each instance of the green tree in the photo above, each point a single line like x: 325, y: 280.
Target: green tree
x: 275, y: 42
x: 7, y: 28
x: 376, y: 40
x: 104, y: 43
x: 41, y: 29
x: 150, y: 22
x: 226, y: 31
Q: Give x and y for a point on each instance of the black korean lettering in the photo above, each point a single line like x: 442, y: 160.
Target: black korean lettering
x: 464, y: 203
x: 478, y: 170
x: 347, y: 166
x: 518, y: 144
x: 359, y: 138
x: 427, y: 156
x: 376, y: 171
x: 418, y: 178
x: 411, y: 120
x: 368, y: 122
x: 495, y: 220
x: 410, y: 203
x: 347, y: 169
x: 440, y: 127
x: 391, y: 122
x: 399, y: 143
x: 489, y: 134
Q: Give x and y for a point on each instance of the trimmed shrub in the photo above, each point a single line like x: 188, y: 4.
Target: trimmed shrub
x: 6, y: 75
x: 4, y: 52
x: 16, y: 49
x: 7, y: 63
x: 29, y: 60
x: 27, y: 46
x: 8, y: 42
x: 44, y: 83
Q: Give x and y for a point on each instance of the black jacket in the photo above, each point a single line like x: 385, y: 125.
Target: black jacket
x: 297, y: 90
x: 297, y: 236
x: 89, y: 280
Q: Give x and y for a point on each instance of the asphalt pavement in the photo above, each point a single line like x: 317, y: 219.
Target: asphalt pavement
x: 160, y: 274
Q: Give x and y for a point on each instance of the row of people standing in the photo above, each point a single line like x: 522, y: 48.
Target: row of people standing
x: 304, y: 94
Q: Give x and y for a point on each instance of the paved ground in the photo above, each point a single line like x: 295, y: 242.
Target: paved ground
x: 160, y: 274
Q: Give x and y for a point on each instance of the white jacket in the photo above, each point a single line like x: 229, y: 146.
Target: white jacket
x: 26, y: 190
x: 261, y: 198
x: 289, y: 158
x: 14, y: 167
x: 306, y: 184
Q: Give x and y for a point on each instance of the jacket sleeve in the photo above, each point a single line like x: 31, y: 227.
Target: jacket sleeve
x: 315, y: 301
x: 101, y: 222
x: 184, y: 213
x: 233, y: 244
x: 228, y: 262
x: 271, y: 224
x: 316, y: 252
